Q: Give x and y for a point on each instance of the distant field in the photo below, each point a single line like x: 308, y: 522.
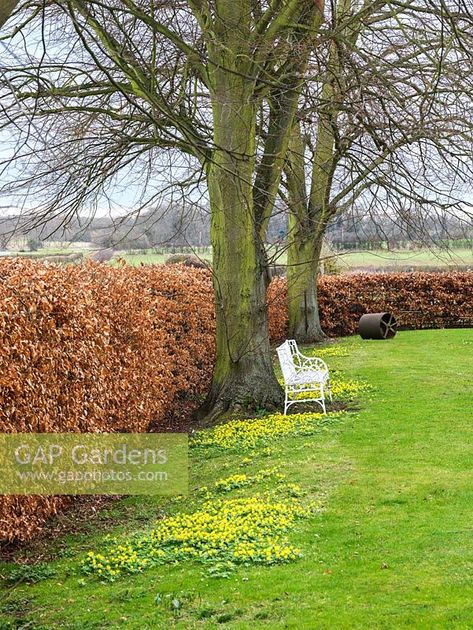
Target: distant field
x: 415, y: 258
x: 348, y: 260
x: 146, y: 259
x: 40, y: 253
x: 157, y: 259
x: 351, y: 260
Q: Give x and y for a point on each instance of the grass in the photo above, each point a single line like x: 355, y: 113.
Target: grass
x: 43, y: 252
x: 391, y: 546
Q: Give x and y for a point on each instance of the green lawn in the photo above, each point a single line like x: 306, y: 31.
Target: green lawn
x: 391, y: 546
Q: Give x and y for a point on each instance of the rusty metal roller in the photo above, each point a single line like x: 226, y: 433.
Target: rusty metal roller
x: 377, y: 326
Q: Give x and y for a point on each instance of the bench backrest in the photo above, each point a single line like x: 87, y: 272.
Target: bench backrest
x: 286, y: 359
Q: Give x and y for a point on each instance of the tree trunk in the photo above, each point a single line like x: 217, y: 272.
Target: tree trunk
x: 303, y: 309
x: 310, y: 212
x: 305, y: 237
x: 6, y: 9
x: 243, y: 374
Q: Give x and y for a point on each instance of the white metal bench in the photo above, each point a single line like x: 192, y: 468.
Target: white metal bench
x: 302, y: 375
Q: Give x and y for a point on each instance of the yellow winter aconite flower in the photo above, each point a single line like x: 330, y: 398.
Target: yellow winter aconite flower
x: 349, y: 389
x: 235, y: 481
x: 342, y: 390
x: 253, y: 432
x: 241, y: 480
x: 225, y: 532
x: 329, y: 351
x: 241, y: 530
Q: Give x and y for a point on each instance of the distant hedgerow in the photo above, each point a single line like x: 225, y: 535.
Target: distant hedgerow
x: 416, y: 299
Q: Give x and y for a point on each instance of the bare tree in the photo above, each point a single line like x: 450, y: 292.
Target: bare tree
x: 113, y: 86
x: 389, y: 126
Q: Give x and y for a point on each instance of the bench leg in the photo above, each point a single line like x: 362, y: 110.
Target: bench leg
x: 322, y: 398
x: 329, y: 389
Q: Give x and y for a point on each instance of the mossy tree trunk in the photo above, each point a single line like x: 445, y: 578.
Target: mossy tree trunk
x: 305, y: 234
x: 303, y: 307
x: 243, y: 372
x: 242, y: 188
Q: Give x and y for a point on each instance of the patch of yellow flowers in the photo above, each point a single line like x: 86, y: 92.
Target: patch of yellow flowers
x: 253, y: 432
x: 329, y: 351
x: 342, y: 390
x: 349, y: 389
x: 240, y: 530
x: 233, y: 531
x: 241, y: 480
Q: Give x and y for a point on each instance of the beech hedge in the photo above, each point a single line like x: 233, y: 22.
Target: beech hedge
x: 94, y: 348
x: 97, y: 349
